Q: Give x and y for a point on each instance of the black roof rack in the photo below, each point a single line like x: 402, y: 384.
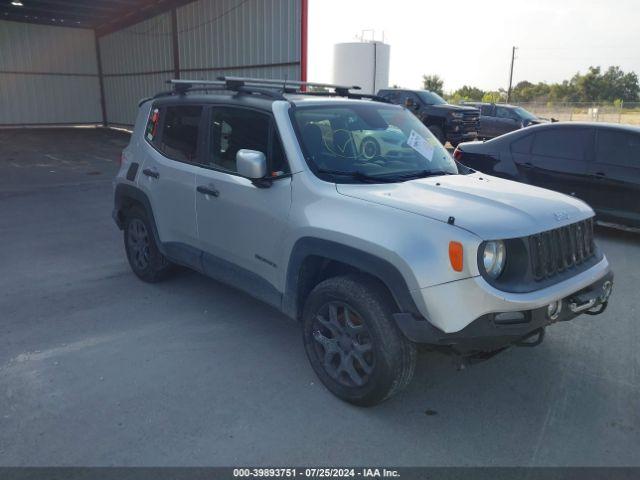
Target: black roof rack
x: 267, y: 87
x: 287, y: 86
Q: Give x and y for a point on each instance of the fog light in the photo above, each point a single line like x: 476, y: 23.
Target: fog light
x: 554, y: 309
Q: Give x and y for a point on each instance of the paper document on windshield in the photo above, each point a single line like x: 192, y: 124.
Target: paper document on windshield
x: 420, y: 145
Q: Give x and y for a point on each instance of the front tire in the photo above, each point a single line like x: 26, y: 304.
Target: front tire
x: 352, y: 341
x: 143, y: 254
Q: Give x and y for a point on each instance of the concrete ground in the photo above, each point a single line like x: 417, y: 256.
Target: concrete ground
x: 98, y: 368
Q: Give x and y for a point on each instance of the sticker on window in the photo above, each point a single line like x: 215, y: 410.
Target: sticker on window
x: 421, y: 145
x: 152, y: 126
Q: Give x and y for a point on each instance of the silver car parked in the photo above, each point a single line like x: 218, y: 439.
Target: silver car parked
x: 268, y: 188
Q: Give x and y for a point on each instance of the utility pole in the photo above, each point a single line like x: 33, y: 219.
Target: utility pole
x: 513, y: 57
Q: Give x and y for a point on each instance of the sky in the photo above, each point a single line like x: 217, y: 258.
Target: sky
x: 469, y: 42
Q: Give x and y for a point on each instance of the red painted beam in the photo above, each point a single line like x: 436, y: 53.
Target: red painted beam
x: 304, y: 33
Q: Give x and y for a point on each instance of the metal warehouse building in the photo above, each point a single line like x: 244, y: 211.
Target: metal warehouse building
x: 80, y: 62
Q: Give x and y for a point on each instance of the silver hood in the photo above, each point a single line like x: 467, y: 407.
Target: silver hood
x: 490, y: 207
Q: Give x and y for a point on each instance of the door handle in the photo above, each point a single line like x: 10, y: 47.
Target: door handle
x: 150, y: 172
x: 599, y: 175
x: 527, y: 165
x: 207, y: 190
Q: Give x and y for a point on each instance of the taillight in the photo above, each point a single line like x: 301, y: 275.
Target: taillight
x: 457, y: 154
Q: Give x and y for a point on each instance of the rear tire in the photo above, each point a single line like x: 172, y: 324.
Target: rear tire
x: 352, y: 341
x: 143, y: 254
x: 438, y: 133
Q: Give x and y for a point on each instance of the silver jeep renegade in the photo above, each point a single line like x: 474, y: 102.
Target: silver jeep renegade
x: 345, y: 213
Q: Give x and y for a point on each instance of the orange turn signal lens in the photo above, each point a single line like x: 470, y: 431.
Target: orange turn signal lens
x: 455, y: 255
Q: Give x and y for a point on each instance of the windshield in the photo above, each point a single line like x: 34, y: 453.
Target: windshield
x: 431, y: 98
x: 367, y: 142
x: 524, y: 114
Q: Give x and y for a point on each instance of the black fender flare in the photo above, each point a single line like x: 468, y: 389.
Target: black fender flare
x: 366, y: 262
x: 126, y: 194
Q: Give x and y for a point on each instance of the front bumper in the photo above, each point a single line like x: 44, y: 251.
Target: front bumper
x: 461, y: 136
x: 460, y: 131
x: 471, y: 316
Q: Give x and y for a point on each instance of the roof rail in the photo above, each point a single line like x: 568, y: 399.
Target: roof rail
x: 341, y: 90
x: 181, y: 87
x: 272, y: 88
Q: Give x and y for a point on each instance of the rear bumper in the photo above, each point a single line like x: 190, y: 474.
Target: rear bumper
x: 471, y: 317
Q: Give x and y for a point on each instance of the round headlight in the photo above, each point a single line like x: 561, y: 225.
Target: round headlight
x: 494, y: 257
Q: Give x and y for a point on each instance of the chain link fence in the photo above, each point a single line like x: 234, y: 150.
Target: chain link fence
x: 628, y: 113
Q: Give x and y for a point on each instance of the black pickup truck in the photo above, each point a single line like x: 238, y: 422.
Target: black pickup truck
x: 452, y: 123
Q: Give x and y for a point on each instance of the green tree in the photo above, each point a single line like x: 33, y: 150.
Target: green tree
x: 469, y: 93
x: 614, y: 83
x: 493, y: 97
x: 433, y: 83
x: 595, y: 85
x: 619, y: 85
x: 527, y: 92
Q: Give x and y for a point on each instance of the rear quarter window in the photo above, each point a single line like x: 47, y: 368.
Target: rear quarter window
x: 150, y: 132
x: 522, y: 144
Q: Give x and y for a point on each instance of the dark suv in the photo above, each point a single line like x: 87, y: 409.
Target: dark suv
x: 452, y: 123
x: 496, y: 120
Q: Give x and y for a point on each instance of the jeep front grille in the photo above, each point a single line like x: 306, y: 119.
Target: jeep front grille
x: 557, y: 250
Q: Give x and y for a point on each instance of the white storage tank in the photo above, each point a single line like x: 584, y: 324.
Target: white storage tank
x: 365, y: 64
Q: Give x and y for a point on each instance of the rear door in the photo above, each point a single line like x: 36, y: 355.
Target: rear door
x: 487, y: 121
x: 506, y: 121
x: 169, y: 174
x: 240, y: 225
x: 615, y: 175
x: 558, y: 160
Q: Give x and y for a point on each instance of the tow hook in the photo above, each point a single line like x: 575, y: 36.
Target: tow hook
x: 592, y: 305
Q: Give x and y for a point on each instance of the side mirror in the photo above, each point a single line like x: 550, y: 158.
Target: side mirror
x: 251, y: 164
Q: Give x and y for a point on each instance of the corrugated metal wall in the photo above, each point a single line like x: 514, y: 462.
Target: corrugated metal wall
x: 136, y: 62
x: 250, y: 38
x: 253, y: 38
x: 47, y: 75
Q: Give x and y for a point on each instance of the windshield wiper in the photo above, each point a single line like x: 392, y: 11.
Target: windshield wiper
x: 358, y: 175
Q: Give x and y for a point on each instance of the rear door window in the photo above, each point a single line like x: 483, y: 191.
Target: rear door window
x: 502, y: 112
x: 618, y: 148
x: 486, y: 110
x: 568, y: 143
x: 180, y: 130
x: 390, y: 95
